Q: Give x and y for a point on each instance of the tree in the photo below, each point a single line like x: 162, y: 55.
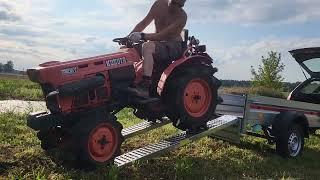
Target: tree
x: 1, y: 67
x: 8, y: 67
x: 268, y: 74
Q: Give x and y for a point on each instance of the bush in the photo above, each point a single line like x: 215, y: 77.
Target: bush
x: 22, y: 89
x: 269, y: 92
x: 234, y: 90
x: 269, y: 73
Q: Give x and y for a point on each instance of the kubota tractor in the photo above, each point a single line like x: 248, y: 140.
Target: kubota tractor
x: 84, y: 95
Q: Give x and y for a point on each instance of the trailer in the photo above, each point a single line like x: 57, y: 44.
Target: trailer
x: 281, y: 122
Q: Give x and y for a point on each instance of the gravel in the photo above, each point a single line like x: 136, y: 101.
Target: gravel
x: 18, y: 106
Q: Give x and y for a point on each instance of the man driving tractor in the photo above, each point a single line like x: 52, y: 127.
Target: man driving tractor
x: 170, y: 19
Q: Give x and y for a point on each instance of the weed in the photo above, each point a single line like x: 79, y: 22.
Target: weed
x: 113, y: 173
x: 183, y: 168
x: 22, y: 89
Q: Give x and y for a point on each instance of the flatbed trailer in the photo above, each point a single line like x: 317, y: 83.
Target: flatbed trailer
x: 282, y: 122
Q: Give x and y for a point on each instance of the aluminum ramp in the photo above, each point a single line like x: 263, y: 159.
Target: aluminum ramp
x: 174, y: 141
x: 143, y: 127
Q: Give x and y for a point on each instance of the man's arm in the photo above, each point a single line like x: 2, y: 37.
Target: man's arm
x: 169, y: 31
x: 146, y: 21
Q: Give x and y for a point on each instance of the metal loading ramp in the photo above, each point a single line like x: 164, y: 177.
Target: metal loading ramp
x: 175, y: 141
x: 143, y: 127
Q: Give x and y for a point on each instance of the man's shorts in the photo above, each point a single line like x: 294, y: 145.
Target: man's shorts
x: 168, y: 51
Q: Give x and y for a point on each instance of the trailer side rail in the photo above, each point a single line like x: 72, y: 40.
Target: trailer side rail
x: 260, y: 110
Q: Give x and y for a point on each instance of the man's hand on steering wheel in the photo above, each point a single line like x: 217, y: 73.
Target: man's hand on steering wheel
x: 136, y: 37
x: 130, y: 40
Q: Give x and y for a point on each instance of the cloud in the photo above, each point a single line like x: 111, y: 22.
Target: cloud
x: 36, y: 36
x: 243, y: 12
x: 128, y: 13
x: 33, y: 31
x: 249, y: 12
x: 8, y: 12
x: 237, y: 60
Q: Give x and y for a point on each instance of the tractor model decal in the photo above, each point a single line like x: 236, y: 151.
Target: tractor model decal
x: 69, y: 71
x: 116, y: 61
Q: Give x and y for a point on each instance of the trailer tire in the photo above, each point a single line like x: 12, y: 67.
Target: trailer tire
x: 290, y: 143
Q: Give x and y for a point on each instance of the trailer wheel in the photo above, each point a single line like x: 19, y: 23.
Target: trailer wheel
x: 99, y: 141
x: 193, y: 99
x: 290, y: 143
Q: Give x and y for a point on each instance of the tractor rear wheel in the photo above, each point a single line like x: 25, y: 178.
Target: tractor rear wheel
x: 193, y: 99
x: 98, y: 141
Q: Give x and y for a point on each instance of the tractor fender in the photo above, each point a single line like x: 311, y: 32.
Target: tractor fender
x: 284, y: 120
x: 197, y: 59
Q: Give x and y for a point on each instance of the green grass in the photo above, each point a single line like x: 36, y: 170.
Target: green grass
x: 22, y: 158
x: 19, y: 87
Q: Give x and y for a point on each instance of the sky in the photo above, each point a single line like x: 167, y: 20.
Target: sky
x: 237, y: 32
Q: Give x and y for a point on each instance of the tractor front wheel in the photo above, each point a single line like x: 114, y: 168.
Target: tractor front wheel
x: 50, y: 138
x: 98, y: 141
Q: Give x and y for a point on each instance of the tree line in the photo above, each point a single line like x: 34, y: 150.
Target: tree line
x: 7, y: 67
x: 286, y: 86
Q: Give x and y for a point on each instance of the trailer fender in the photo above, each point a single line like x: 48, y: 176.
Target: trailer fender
x: 283, y: 121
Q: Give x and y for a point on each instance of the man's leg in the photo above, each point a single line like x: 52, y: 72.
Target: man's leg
x: 142, y: 89
x: 148, y: 49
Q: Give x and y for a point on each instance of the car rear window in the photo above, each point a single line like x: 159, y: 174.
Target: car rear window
x: 313, y: 64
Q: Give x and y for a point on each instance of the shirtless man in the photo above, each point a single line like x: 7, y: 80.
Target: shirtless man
x: 166, y: 42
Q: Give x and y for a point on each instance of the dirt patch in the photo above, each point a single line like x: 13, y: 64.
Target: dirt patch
x: 18, y: 106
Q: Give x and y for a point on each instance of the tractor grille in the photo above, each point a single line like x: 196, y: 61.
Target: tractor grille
x: 81, y: 99
x: 102, y: 93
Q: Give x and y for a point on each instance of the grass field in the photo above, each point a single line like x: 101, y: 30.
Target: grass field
x: 19, y: 87
x: 22, y: 158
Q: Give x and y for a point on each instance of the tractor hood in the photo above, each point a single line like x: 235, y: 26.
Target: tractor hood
x: 309, y: 60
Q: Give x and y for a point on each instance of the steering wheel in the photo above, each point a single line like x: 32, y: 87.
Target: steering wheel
x: 122, y: 41
x: 126, y: 42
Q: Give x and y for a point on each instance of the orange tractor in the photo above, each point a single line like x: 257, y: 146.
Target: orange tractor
x: 83, y: 96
